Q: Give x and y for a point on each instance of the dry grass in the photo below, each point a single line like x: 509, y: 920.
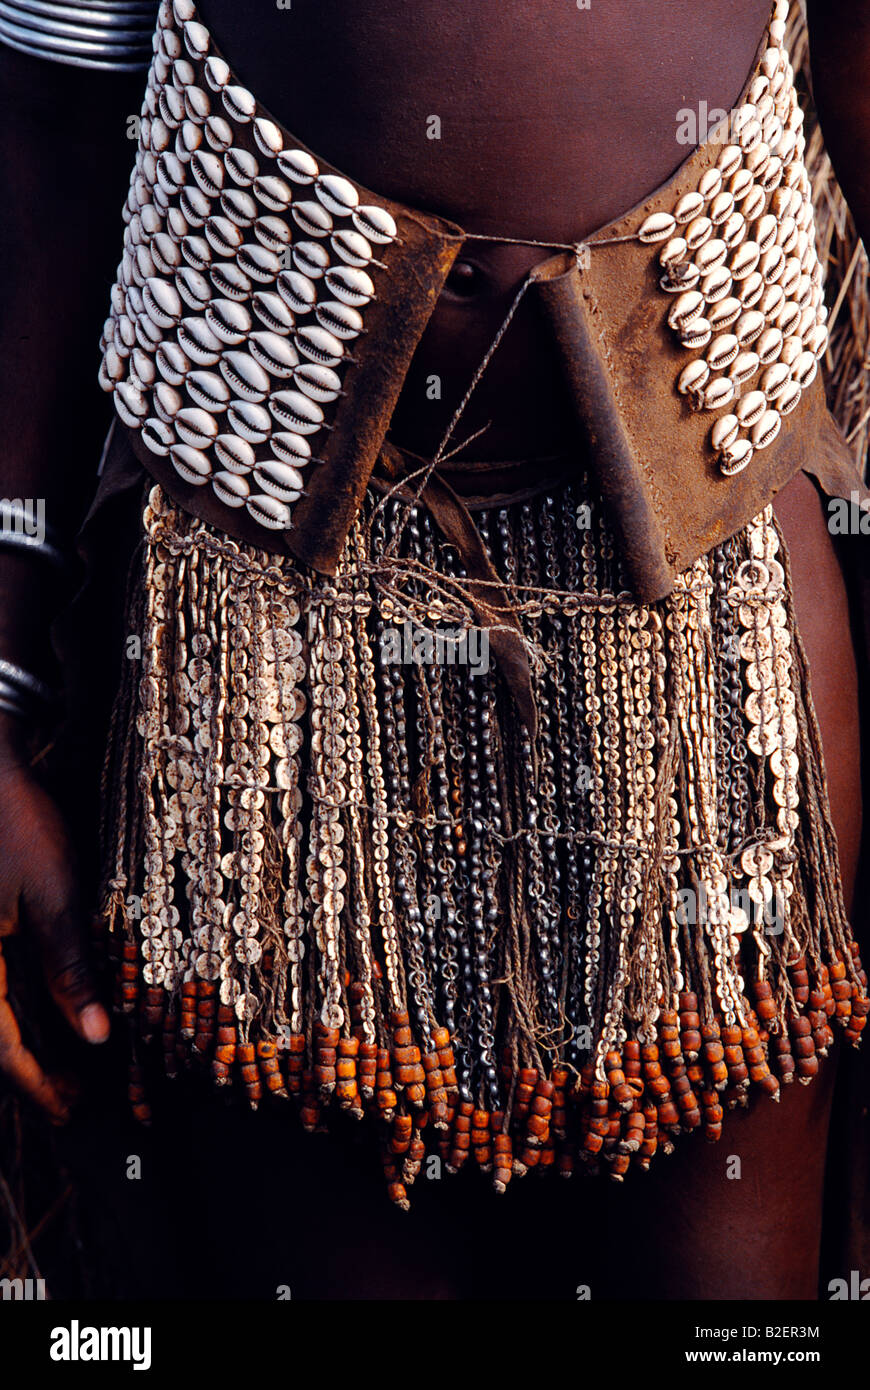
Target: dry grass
x: 847, y: 285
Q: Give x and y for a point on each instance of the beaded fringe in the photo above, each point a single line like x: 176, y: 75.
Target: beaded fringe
x: 357, y: 880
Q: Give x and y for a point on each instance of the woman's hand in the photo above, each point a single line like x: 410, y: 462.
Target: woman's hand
x: 38, y: 894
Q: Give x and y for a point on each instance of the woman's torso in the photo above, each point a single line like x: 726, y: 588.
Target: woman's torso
x: 550, y: 121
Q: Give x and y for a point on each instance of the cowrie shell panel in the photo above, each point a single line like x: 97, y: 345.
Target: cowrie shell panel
x: 245, y: 276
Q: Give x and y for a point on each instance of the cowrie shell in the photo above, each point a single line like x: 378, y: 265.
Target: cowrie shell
x: 241, y: 166
x: 689, y: 207
x: 198, y: 341
x: 375, y: 223
x: 142, y: 367
x: 735, y: 457
x: 693, y: 377
x: 312, y: 218
x: 711, y: 254
x: 766, y: 429
x: 687, y: 307
x: 130, y: 403
x: 189, y: 138
x: 296, y: 412
x: 719, y: 393
x: 258, y: 262
x: 341, y: 319
x: 250, y: 421
x: 222, y: 235
x: 337, y: 194
x: 269, y: 512
x: 272, y: 232
x: 724, y: 312
x: 195, y: 206
x: 173, y: 363
x: 318, y: 382
x: 675, y: 251
x: 196, y: 38
x: 769, y: 345
x: 229, y: 321
x: 729, y: 161
x: 353, y: 287
x: 698, y: 231
x: 710, y: 183
x: 268, y: 136
x: 239, y: 206
x: 319, y: 345
x: 166, y: 250
x: 792, y: 347
x: 245, y: 377
x: 208, y: 390
x: 716, y: 285
x: 770, y: 176
x: 774, y: 380
x: 696, y: 334
x: 310, y: 259
x: 219, y: 133
x: 803, y: 371
x: 724, y: 431
x: 788, y: 398
x: 733, y: 229
x: 191, y: 464
x: 750, y: 408
x: 195, y: 426
x: 193, y: 287
x: 230, y: 280
x: 351, y: 247
x: 750, y: 290
x: 291, y: 448
x: 208, y: 171
x: 298, y: 165
x: 234, y: 453
x: 273, y: 192
x: 721, y: 207
x: 657, y: 227
x: 817, y: 340
x: 771, y: 300
x: 744, y: 260
x: 162, y: 302
x: 197, y: 105
x: 157, y: 436
x: 230, y: 488
x: 273, y: 312
x: 239, y: 102
x: 722, y: 352
x: 279, y: 479
x: 753, y: 204
x: 749, y: 326
x: 296, y: 290
x: 765, y: 232
x: 275, y: 353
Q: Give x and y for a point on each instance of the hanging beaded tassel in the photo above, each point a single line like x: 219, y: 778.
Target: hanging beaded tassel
x: 339, y: 867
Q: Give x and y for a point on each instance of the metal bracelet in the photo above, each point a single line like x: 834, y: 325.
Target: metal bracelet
x: 18, y: 685
x: 109, y: 35
x: 14, y: 519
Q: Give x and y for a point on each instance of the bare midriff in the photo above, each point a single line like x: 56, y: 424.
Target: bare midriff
x: 512, y: 119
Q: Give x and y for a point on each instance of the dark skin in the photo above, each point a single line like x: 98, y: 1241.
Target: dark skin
x: 553, y: 121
